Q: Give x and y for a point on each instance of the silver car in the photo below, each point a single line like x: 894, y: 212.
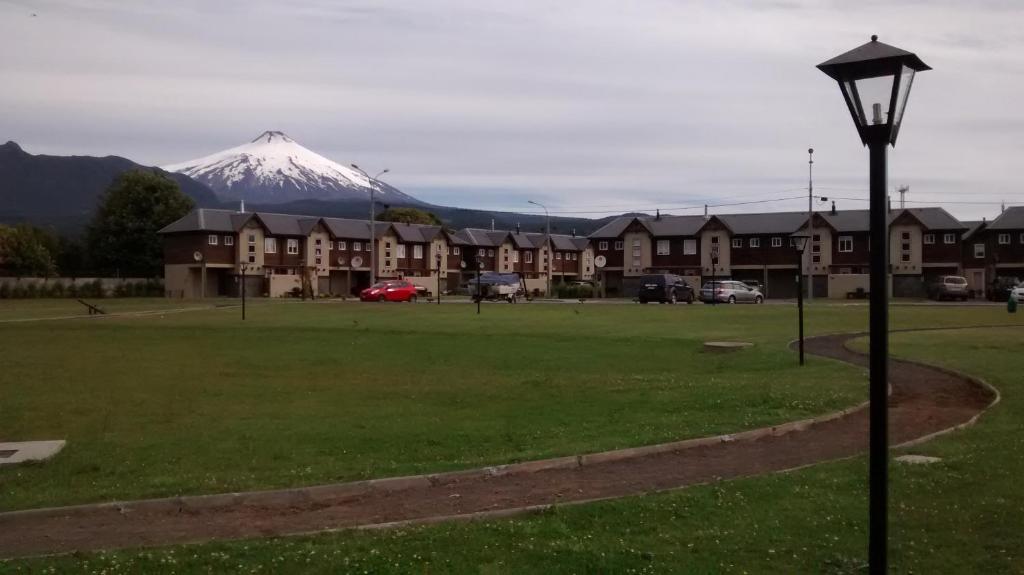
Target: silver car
x: 729, y: 291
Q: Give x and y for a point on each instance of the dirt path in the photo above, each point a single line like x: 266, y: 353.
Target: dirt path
x: 924, y: 400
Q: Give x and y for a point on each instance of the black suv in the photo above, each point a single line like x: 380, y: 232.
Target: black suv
x: 664, y: 288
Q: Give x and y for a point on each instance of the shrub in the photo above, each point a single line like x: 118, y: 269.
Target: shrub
x: 32, y: 291
x: 18, y: 292
x: 97, y: 288
x: 57, y: 289
x: 72, y: 290
x: 574, y: 291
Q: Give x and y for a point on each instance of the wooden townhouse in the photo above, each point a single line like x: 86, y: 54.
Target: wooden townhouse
x: 994, y: 249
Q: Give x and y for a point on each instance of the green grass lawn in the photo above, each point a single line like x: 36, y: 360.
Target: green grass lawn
x: 197, y: 402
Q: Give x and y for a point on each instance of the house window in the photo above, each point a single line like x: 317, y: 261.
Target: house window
x: 252, y: 259
x: 529, y: 257
x: 515, y: 257
x: 318, y: 252
x: 929, y: 238
x: 270, y: 245
x: 490, y: 253
x: 602, y: 246
x: 356, y: 247
x: 905, y: 257
x: 816, y: 259
x: 1004, y: 239
x: 737, y: 242
x: 636, y: 252
x: 905, y: 236
x: 229, y: 240
x: 816, y: 248
x: 455, y: 250
x: 387, y: 245
x: 951, y: 238
x: 816, y: 238
x: 619, y: 245
x: 252, y: 239
x: 663, y: 248
x: 318, y: 261
x: 293, y: 246
x: 845, y: 243
x: 317, y: 242
x: 979, y: 250
x: 387, y: 263
x: 341, y: 245
x: 755, y: 242
x: 792, y: 242
x: 401, y: 251
x: 776, y: 242
x: 212, y: 240
x: 714, y: 239
x: 417, y: 252
x: 689, y: 247
x: 252, y: 249
x: 575, y: 256
x: 481, y: 252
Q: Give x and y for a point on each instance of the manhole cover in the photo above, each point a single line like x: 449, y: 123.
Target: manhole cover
x: 5, y: 453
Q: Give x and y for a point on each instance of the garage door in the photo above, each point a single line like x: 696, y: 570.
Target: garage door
x: 781, y: 284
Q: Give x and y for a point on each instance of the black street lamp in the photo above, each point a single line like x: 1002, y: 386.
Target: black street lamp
x: 714, y: 266
x: 875, y: 80
x: 479, y: 294
x: 799, y: 241
x: 438, y: 258
x: 245, y: 268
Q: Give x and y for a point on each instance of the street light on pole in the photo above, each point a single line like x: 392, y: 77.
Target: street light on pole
x: 438, y: 257
x: 547, y: 217
x: 875, y: 80
x: 373, y: 223
x: 245, y: 268
x: 800, y: 243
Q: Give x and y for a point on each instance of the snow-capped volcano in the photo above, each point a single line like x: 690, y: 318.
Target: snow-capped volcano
x: 274, y: 168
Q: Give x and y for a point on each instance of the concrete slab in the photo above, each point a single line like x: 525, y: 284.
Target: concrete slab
x: 918, y: 459
x: 20, y: 451
x: 726, y: 346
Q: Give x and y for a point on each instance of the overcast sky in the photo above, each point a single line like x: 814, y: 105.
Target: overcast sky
x: 589, y: 106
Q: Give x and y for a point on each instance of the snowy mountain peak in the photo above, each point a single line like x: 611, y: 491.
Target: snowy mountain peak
x: 271, y: 135
x: 274, y: 168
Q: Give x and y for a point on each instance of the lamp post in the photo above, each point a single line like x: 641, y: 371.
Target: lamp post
x: 547, y: 217
x: 479, y: 294
x: 875, y: 80
x: 245, y: 268
x: 373, y: 223
x: 800, y: 243
x: 714, y: 266
x: 438, y: 258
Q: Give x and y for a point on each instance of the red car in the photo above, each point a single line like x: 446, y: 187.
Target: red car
x: 396, y: 290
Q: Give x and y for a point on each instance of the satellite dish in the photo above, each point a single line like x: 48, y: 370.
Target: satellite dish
x: 197, y: 255
x: 462, y: 264
x: 600, y: 262
x: 357, y: 262
x: 341, y: 260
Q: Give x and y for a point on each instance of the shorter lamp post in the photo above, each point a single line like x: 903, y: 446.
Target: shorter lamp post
x: 714, y: 267
x: 245, y: 268
x: 800, y: 243
x: 438, y: 258
x: 479, y: 294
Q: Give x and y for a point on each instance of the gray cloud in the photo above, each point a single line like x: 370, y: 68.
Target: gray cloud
x: 579, y: 103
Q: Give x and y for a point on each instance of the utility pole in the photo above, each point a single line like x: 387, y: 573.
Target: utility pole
x: 903, y: 192
x: 547, y: 240
x: 810, y: 223
x: 373, y: 223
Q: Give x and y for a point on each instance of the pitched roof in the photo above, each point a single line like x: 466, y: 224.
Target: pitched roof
x: 348, y: 229
x: 973, y: 227
x: 936, y: 218
x: 205, y: 220
x: 764, y: 223
x: 614, y: 228
x: 674, y: 225
x: 1012, y: 218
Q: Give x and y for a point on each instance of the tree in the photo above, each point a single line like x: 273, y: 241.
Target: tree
x: 123, y: 238
x: 28, y: 251
x: 409, y: 216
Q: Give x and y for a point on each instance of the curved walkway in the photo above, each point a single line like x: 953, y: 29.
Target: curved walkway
x: 924, y: 401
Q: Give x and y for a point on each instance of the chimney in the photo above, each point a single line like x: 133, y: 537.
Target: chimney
x: 888, y: 203
x: 241, y: 207
x: 574, y: 232
x: 517, y: 228
x: 833, y: 207
x: 706, y: 217
x: 492, y: 224
x: 657, y: 214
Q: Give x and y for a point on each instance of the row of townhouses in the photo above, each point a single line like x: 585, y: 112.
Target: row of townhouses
x: 205, y: 252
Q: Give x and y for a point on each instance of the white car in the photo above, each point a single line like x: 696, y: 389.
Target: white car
x: 1018, y: 293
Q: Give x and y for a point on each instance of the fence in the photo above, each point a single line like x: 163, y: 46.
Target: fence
x: 19, y: 288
